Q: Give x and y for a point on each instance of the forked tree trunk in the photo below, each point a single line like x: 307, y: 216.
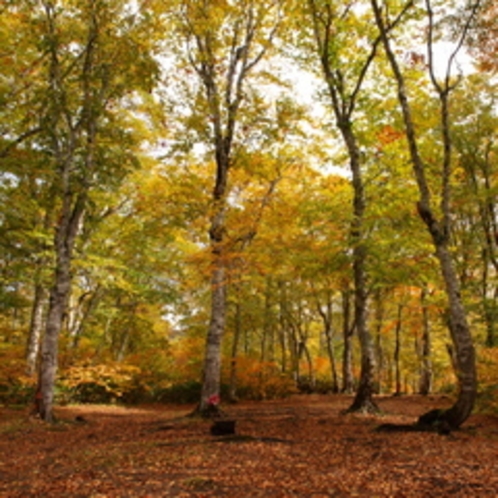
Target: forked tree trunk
x: 249, y: 31
x: 439, y: 229
x: 344, y: 85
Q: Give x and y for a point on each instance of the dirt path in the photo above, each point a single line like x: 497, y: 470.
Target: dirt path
x: 301, y: 447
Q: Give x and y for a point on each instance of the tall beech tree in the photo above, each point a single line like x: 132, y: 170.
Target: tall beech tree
x: 344, y: 76
x: 437, y: 218
x: 93, y: 58
x: 475, y: 222
x: 224, y: 42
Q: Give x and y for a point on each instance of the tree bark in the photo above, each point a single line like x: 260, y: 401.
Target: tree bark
x: 379, y: 348
x: 35, y: 329
x: 212, y: 356
x: 425, y: 384
x: 397, y: 352
x: 232, y: 386
x: 439, y: 229
x: 84, y: 308
x: 363, y: 401
x: 326, y: 315
x: 58, y: 301
x: 343, y: 98
x: 249, y: 36
x: 347, y: 356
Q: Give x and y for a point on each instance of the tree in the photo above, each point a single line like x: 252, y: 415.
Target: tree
x: 344, y: 78
x: 92, y: 57
x: 438, y: 225
x: 223, y: 42
x: 474, y: 191
x: 482, y: 38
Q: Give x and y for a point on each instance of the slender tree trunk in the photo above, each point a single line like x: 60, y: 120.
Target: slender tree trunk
x: 83, y: 313
x: 363, y: 401
x: 379, y: 351
x: 425, y: 384
x: 347, y: 356
x: 439, y: 229
x: 326, y: 314
x: 270, y: 324
x: 344, y: 86
x: 333, y: 363
x: 35, y: 329
x: 397, y: 351
x: 39, y: 306
x: 288, y: 338
x: 311, y: 373
x: 282, y: 335
x: 232, y: 386
x: 295, y: 351
x: 267, y: 346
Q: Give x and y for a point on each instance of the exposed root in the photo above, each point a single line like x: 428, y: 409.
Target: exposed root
x: 432, y: 421
x: 365, y: 407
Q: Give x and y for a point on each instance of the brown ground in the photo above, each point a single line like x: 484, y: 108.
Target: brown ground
x: 301, y: 447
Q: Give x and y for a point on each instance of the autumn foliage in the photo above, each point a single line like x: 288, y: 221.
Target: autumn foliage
x: 168, y: 149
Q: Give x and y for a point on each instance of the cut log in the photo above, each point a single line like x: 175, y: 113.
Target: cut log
x: 223, y: 427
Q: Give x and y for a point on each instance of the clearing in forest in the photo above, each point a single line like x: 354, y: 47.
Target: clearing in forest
x: 302, y: 446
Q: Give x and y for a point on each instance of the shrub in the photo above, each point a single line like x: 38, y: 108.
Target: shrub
x: 487, y: 365
x: 96, y: 383
x: 182, y: 393
x: 262, y: 380
x: 15, y: 386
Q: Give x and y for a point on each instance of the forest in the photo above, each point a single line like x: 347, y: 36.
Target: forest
x: 206, y: 201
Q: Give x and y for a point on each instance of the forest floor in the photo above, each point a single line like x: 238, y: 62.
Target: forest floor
x: 299, y: 447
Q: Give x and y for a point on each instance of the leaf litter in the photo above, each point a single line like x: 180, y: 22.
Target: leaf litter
x: 299, y: 447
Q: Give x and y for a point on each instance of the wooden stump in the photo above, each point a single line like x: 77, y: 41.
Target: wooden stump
x: 223, y: 427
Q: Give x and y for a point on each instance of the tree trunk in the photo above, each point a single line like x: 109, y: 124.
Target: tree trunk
x: 462, y: 340
x: 282, y: 332
x: 232, y: 386
x: 35, y: 329
x: 326, y: 315
x: 439, y: 229
x: 397, y: 351
x: 347, y: 356
x: 84, y: 308
x: 363, y: 401
x: 225, y: 94
x: 425, y: 384
x: 58, y: 301
x: 325, y: 19
x: 210, y: 393
x: 379, y: 349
